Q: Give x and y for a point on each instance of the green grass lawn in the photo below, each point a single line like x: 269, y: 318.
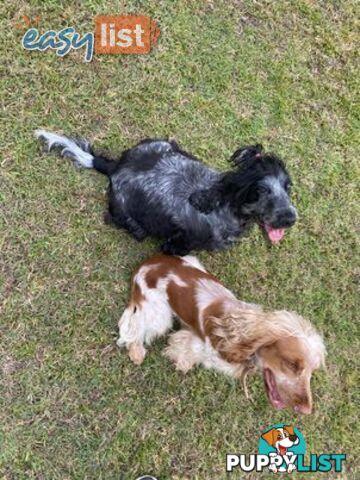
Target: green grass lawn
x: 224, y: 74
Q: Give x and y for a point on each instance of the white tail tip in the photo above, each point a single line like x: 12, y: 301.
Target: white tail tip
x: 77, y: 150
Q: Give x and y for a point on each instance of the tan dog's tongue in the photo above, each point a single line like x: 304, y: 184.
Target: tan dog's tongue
x: 274, y: 234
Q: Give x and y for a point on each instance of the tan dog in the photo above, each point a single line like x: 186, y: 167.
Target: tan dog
x: 219, y: 331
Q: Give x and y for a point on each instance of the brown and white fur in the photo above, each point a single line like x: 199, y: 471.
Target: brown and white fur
x: 219, y: 331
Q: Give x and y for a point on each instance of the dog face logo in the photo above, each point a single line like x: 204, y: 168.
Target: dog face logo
x: 282, y: 443
x: 281, y: 438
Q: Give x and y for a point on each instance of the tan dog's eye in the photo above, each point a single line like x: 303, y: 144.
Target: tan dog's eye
x: 293, y: 366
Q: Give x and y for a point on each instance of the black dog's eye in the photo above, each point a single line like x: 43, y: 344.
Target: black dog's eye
x: 262, y: 189
x: 253, y: 195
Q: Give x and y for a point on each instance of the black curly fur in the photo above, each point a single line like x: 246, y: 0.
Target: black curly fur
x: 158, y: 189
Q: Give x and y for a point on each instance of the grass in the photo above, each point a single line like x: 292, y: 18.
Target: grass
x: 224, y: 74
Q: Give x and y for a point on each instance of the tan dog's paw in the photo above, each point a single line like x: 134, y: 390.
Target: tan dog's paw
x: 136, y: 353
x: 183, y: 365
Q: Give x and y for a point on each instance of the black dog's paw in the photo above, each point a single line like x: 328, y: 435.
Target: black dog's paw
x: 139, y: 235
x: 201, y: 201
x: 108, y: 218
x: 127, y: 223
x: 137, y: 231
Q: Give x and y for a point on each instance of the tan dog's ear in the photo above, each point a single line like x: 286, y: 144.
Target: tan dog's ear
x: 289, y: 429
x: 238, y: 335
x: 270, y: 437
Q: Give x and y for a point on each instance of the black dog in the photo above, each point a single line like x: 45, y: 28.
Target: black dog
x: 158, y: 189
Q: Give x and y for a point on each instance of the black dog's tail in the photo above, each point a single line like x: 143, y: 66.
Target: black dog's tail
x: 79, y: 151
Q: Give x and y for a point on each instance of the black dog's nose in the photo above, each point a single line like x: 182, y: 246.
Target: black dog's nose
x: 286, y: 218
x: 293, y: 438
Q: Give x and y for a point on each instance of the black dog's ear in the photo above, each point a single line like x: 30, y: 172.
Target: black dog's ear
x: 246, y: 154
x: 206, y: 201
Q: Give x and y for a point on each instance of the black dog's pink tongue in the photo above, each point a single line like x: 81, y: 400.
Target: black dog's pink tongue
x: 274, y: 234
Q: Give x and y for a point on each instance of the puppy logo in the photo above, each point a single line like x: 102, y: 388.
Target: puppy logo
x: 282, y: 449
x: 283, y: 444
